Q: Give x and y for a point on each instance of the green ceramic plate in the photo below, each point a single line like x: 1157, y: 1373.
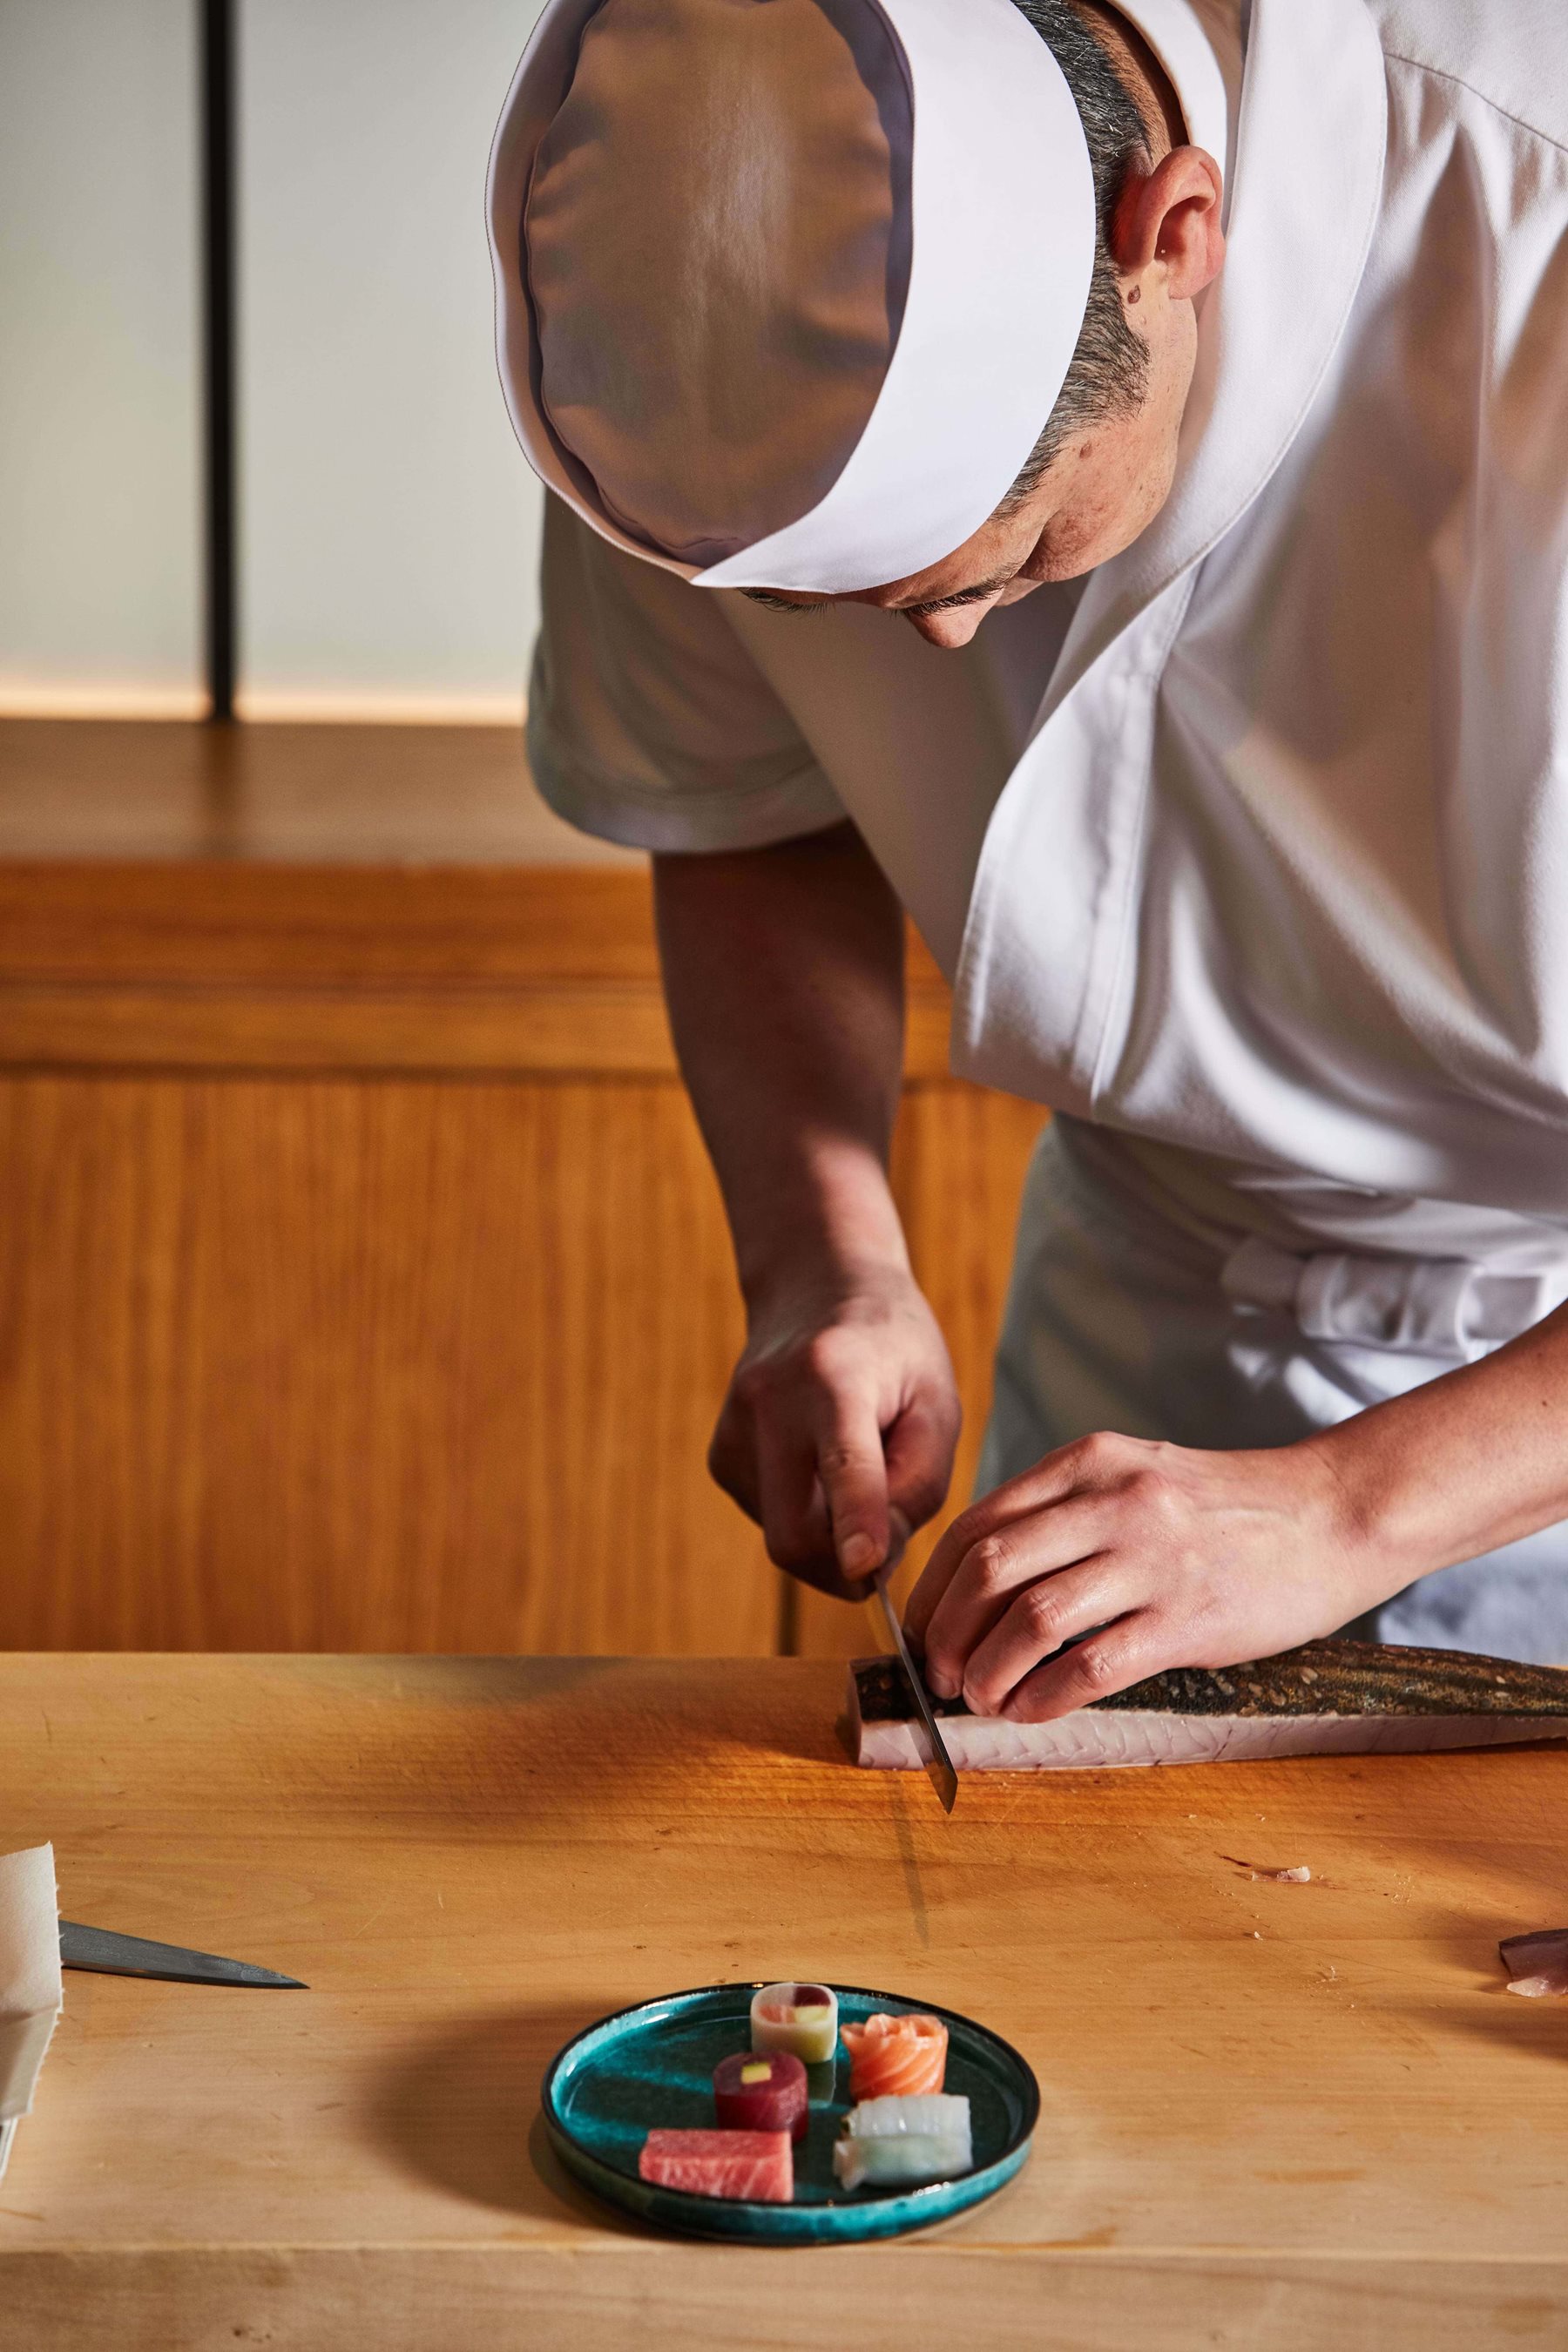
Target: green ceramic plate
x: 654, y: 2064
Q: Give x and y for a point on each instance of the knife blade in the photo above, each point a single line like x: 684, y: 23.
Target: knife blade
x: 100, y: 1949
x: 938, y: 1762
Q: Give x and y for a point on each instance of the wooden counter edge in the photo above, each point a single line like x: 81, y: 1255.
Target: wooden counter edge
x: 665, y: 2295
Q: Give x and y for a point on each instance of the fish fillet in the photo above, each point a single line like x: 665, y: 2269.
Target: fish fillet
x: 1327, y: 1698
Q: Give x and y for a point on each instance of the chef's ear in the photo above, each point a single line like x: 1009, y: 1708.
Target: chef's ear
x: 1166, y: 226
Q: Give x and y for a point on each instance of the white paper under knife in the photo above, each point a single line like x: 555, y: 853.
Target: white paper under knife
x: 936, y: 1759
x: 30, y: 1989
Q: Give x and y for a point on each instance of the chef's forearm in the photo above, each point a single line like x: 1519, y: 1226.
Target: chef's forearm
x: 1473, y: 1460
x: 784, y: 974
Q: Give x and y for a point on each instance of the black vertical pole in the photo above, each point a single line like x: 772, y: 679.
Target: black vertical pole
x: 218, y: 71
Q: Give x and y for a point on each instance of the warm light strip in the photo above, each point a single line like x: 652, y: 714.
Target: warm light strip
x: 282, y: 704
x: 263, y: 705
x: 57, y: 701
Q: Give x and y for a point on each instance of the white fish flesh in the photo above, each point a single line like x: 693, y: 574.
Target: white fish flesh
x: 1326, y: 1699
x: 923, y: 2138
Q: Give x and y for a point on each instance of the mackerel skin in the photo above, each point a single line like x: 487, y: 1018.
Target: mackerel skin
x: 1325, y: 1698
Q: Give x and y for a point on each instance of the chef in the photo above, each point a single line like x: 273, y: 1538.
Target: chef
x: 1094, y: 477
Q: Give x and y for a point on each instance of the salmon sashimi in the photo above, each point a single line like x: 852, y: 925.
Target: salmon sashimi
x: 896, y: 2057
x: 1327, y: 1698
x: 756, y: 2166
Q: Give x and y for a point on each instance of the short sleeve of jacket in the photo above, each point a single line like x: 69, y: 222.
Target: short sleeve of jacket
x: 648, y: 722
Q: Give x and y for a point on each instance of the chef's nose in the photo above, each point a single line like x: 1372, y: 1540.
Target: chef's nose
x: 950, y: 629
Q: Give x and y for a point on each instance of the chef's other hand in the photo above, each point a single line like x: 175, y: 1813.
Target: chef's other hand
x: 1161, y: 1555
x: 839, y: 1429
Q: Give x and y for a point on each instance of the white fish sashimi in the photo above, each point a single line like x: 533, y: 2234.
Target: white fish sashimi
x: 1328, y: 1698
x: 908, y: 2140
x: 920, y: 2111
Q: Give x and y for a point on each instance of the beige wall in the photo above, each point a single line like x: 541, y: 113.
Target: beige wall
x: 100, y: 457
x: 389, y: 521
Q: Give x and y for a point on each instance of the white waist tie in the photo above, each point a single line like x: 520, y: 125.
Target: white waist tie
x: 1428, y: 1307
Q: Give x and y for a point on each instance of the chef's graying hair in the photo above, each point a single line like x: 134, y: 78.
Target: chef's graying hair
x: 1110, y: 370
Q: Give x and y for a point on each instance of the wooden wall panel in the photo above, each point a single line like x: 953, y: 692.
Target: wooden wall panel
x: 360, y: 1266
x: 296, y: 1364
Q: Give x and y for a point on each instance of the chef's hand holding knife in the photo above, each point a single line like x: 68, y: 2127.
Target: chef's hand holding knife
x: 839, y: 1429
x: 784, y: 975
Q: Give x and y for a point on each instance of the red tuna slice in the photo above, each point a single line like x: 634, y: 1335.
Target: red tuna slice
x: 762, y: 2090
x: 753, y: 2164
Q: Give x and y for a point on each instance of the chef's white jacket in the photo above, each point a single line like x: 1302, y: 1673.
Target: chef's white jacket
x: 1249, y: 853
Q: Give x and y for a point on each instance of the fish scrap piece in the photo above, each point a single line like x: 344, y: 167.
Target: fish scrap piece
x: 1298, y: 1876
x: 1325, y: 1698
x: 1537, y: 1964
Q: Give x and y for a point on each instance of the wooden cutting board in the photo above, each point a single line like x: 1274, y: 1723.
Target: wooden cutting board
x: 1298, y: 2116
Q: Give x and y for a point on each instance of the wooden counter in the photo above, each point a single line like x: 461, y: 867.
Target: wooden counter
x: 1286, y: 2116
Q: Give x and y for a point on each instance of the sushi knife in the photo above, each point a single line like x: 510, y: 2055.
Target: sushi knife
x: 132, y: 1956
x: 937, y: 1762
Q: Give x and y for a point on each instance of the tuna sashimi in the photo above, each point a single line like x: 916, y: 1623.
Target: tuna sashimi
x: 896, y: 2057
x: 763, y: 2091
x: 1326, y: 1699
x: 1537, y: 1964
x: 756, y: 2166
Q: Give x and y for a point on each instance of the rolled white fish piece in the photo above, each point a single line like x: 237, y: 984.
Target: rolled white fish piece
x: 926, y: 2138
x: 800, y: 2017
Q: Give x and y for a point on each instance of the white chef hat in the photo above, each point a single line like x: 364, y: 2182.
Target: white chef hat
x: 786, y: 289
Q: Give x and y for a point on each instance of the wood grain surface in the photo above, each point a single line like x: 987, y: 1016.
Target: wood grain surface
x: 519, y: 971
x: 311, y: 794
x: 324, y: 1365
x: 1292, y: 2116
x: 357, y: 1249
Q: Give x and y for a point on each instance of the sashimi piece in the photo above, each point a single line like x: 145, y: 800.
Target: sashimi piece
x: 1537, y: 1964
x: 904, y: 2140
x: 762, y: 2091
x: 887, y: 2119
x: 896, y: 2057
x: 800, y: 2018
x: 753, y: 2166
x: 1325, y: 1698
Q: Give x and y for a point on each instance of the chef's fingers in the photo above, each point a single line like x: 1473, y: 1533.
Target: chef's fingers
x: 1018, y: 1558
x: 733, y: 1455
x: 853, y: 1471
x: 1111, y: 1659
x: 789, y: 1505
x: 790, y: 1502
x: 1046, y: 1482
x: 920, y: 1446
x: 1061, y: 1608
